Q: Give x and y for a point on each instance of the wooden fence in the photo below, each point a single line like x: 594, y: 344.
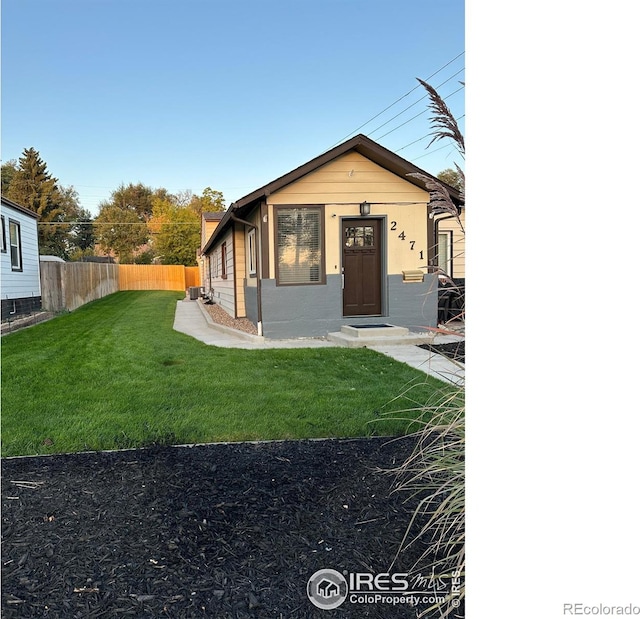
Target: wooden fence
x: 68, y: 285
x: 157, y: 277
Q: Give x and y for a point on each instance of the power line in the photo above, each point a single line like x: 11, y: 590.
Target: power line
x: 414, y: 103
x: 397, y: 101
x: 416, y: 116
x: 117, y: 223
x: 424, y: 137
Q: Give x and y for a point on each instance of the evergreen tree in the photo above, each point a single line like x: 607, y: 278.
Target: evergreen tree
x: 33, y: 187
x: 8, y: 171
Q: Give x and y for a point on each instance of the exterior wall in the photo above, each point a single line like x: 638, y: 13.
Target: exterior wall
x: 458, y: 247
x: 350, y: 178
x: 314, y: 311
x: 251, y: 302
x: 206, y: 230
x: 207, y: 226
x: 239, y: 270
x: 21, y: 289
x: 223, y: 289
x: 342, y: 185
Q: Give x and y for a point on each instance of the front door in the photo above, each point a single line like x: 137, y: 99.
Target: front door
x: 361, y: 267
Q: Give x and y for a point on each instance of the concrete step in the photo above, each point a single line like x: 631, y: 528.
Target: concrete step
x: 369, y: 331
x: 360, y: 336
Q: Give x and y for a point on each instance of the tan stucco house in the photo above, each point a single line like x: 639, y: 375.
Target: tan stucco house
x: 345, y: 239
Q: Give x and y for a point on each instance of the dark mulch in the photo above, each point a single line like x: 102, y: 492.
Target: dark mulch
x: 452, y: 350
x: 229, y: 531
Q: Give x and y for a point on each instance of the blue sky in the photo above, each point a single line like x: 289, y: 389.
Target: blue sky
x: 230, y: 95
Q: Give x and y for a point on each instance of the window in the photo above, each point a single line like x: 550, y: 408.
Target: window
x: 223, y: 265
x: 251, y: 247
x: 4, y: 238
x: 445, y: 261
x: 359, y: 236
x: 299, y: 245
x: 16, y: 245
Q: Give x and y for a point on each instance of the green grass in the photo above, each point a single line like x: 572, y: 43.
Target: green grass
x: 113, y: 374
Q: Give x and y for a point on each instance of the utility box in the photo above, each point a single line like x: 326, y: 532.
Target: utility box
x: 194, y: 292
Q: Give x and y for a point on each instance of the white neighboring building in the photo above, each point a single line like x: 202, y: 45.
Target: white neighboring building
x: 20, y: 285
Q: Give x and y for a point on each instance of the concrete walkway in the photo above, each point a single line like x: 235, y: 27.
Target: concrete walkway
x: 193, y: 320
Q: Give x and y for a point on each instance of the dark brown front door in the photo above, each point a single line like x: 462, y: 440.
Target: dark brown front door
x: 361, y: 267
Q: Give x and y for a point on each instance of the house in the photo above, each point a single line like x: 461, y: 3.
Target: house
x: 20, y: 263
x: 208, y: 223
x: 345, y: 239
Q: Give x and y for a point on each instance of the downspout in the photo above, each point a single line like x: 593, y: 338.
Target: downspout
x: 258, y: 270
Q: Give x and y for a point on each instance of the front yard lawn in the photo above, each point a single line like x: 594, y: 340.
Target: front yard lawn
x: 113, y: 374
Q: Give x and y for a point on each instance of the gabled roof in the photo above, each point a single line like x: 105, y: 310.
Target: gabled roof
x: 212, y: 216
x: 19, y: 207
x: 360, y: 144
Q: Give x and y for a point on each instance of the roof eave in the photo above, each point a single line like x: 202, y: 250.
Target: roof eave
x: 19, y: 207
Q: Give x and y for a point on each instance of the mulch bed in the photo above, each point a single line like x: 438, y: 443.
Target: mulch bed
x: 228, y: 530
x: 452, y: 350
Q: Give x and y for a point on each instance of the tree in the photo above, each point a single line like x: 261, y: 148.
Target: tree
x: 211, y: 201
x: 452, y: 178
x: 81, y: 237
x: 176, y: 231
x: 8, y: 171
x: 137, y: 198
x: 32, y: 186
x: 120, y: 230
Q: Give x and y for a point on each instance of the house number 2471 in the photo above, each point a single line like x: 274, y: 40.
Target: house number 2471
x: 403, y: 237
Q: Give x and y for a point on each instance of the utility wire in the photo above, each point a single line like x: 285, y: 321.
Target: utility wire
x: 424, y: 137
x: 397, y: 101
x: 416, y: 116
x: 415, y: 103
x: 116, y: 223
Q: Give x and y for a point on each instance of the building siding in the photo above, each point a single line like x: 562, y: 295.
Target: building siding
x: 22, y: 286
x: 223, y: 290
x: 458, y: 245
x: 349, y: 178
x: 341, y: 186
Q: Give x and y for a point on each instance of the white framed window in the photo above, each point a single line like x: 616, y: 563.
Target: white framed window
x: 299, y: 245
x: 15, y: 243
x: 251, y: 251
x: 4, y: 237
x: 445, y: 252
